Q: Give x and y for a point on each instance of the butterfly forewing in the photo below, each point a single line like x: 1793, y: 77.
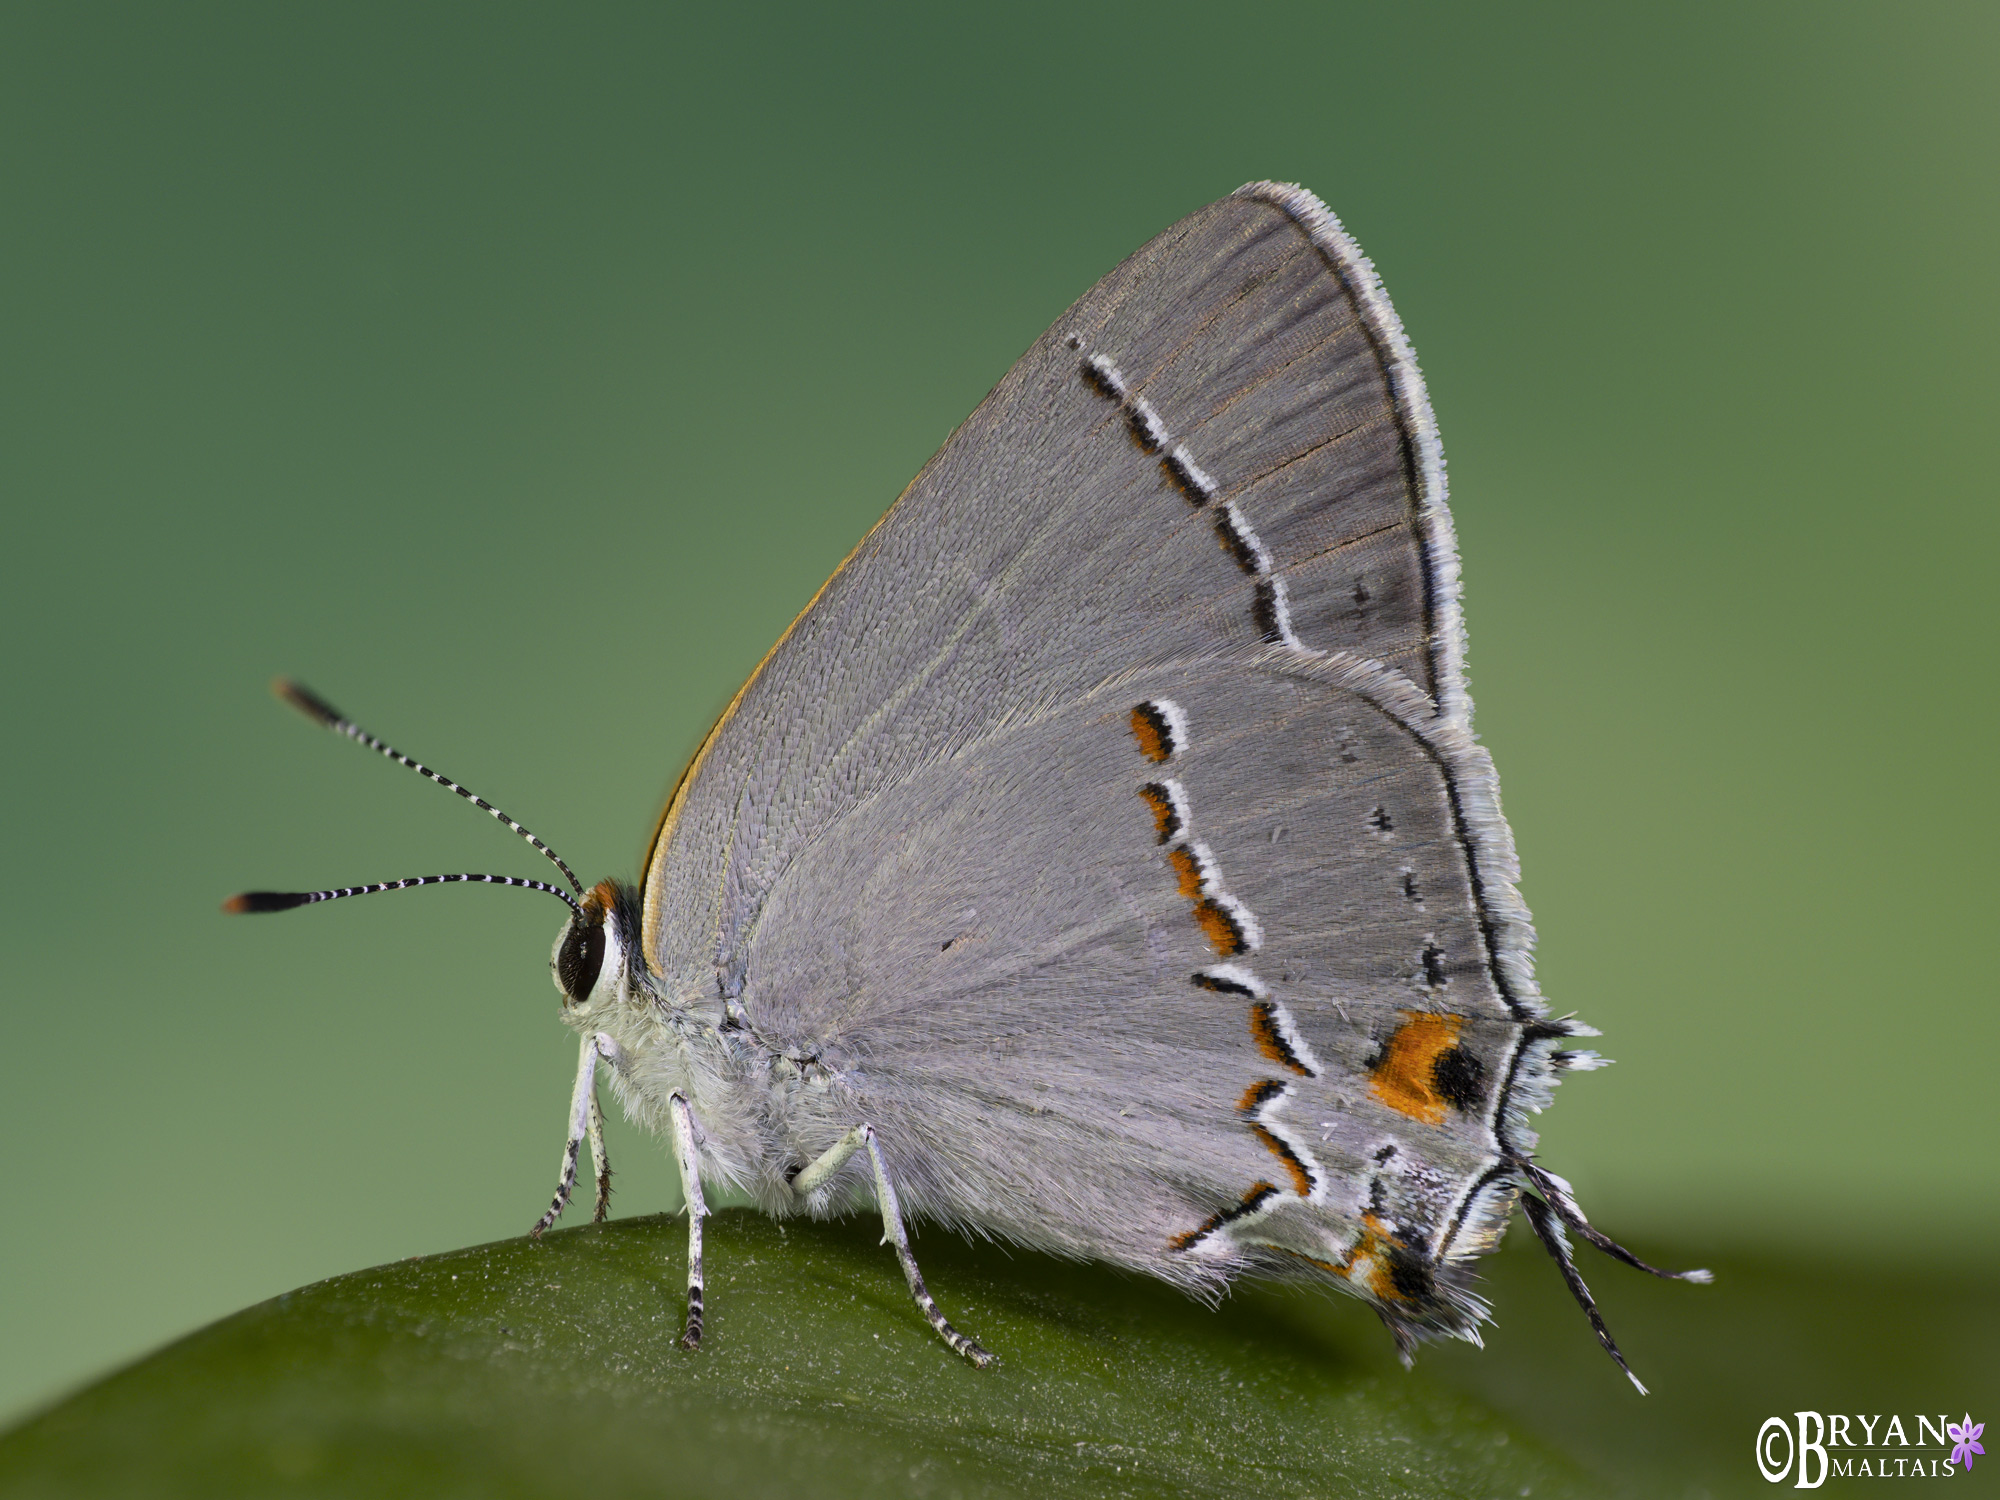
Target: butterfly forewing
x: 1046, y: 545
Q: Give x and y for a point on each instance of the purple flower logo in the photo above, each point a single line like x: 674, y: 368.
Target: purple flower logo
x: 1966, y: 1435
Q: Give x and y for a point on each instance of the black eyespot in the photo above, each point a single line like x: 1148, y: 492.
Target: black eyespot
x: 1456, y: 1076
x: 580, y: 962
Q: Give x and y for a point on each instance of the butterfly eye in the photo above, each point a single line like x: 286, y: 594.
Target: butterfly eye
x: 579, y: 961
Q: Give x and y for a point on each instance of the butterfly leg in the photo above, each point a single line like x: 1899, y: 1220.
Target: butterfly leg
x: 820, y: 1172
x: 600, y: 1161
x: 685, y: 1153
x: 585, y: 1118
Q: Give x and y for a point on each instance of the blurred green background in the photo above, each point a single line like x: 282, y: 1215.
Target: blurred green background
x: 514, y: 375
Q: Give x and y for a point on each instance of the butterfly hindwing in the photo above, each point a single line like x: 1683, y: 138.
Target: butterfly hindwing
x: 1093, y: 1029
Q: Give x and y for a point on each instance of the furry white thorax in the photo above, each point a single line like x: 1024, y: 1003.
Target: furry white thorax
x: 759, y: 1114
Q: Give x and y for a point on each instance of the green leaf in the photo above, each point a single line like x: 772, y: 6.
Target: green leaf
x: 552, y: 1368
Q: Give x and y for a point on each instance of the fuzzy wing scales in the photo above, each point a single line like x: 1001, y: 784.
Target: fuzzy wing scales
x: 1190, y: 1045
x: 1213, y: 446
x: 1110, y: 828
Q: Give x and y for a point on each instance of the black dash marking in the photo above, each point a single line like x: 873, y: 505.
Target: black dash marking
x: 1195, y: 484
x: 1259, y: 1194
x: 945, y: 946
x: 1361, y: 594
x: 1434, y: 974
x: 1103, y: 377
x: 1255, y: 1199
x: 1386, y: 1152
x: 1237, y: 541
x: 1271, y: 1040
x: 1410, y: 887
x: 1222, y: 985
x: 1259, y: 1095
x: 1380, y: 820
x: 1268, y: 613
x: 1457, y: 1076
x: 1378, y: 1197
x: 1148, y: 431
x: 1302, y: 1178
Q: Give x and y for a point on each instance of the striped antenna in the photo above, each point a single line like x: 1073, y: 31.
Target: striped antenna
x: 259, y: 901
x: 324, y: 713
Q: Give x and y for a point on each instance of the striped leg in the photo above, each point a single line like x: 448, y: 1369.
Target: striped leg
x: 584, y: 1119
x: 892, y: 1233
x: 820, y: 1172
x: 895, y: 1235
x: 697, y: 1209
x: 600, y: 1161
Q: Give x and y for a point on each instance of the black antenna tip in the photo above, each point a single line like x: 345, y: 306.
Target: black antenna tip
x: 254, y: 901
x: 306, y: 701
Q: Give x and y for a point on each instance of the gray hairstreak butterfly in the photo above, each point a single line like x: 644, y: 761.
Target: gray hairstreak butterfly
x: 1104, y: 860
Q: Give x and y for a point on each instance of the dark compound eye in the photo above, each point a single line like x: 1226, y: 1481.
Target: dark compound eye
x: 580, y: 961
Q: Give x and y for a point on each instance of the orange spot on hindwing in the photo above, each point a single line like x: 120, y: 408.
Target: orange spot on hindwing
x: 1221, y: 927
x: 1154, y: 734
x: 1166, y: 816
x: 1382, y: 1263
x: 1405, y: 1076
x: 1302, y: 1182
x: 1387, y: 1267
x: 1187, y: 871
x: 1271, y: 1040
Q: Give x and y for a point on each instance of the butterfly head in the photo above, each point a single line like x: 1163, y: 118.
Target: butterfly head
x: 596, y: 959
